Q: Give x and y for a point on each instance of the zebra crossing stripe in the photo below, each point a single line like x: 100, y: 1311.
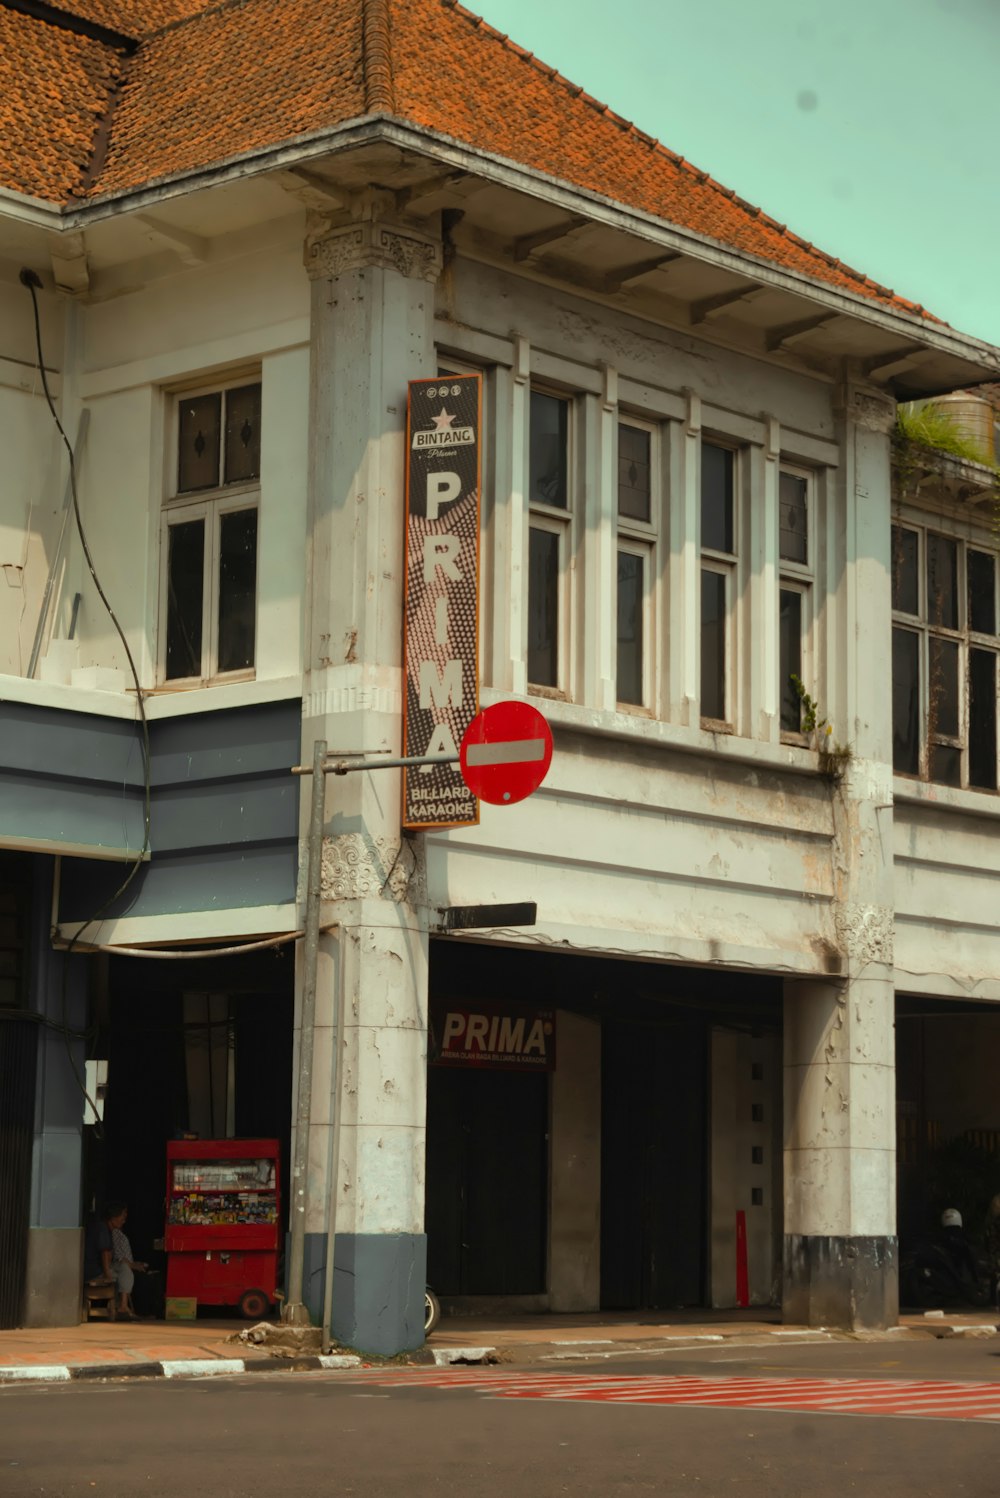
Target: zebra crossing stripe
x: 913, y: 1399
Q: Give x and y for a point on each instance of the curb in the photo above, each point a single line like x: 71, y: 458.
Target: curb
x: 180, y: 1368
x: 220, y: 1367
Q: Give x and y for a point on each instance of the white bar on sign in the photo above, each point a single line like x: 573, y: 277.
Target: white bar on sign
x: 514, y: 752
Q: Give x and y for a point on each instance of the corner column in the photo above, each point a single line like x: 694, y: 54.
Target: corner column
x: 372, y: 331
x: 840, y: 1247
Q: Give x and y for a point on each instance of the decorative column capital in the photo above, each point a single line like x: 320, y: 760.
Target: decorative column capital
x: 867, y: 407
x: 372, y: 243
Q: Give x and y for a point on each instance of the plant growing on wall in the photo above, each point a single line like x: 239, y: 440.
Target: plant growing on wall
x: 923, y: 429
x: 833, y: 756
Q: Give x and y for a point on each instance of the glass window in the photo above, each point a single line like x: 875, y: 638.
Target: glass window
x: 199, y: 420
x: 944, y: 705
x: 543, y: 607
x: 185, y: 598
x: 906, y: 701
x: 242, y: 434
x: 905, y: 570
x: 209, y: 612
x: 982, y: 593
x: 942, y: 581
x: 983, y: 719
x: 790, y: 629
x: 634, y: 473
x: 237, y: 589
x: 716, y: 498
x: 793, y: 517
x: 945, y: 666
x: 548, y: 477
x: 713, y: 645
x: 630, y: 627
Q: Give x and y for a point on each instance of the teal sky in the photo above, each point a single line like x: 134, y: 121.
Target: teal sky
x: 868, y: 126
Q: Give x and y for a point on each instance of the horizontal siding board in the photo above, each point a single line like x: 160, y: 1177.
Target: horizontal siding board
x: 220, y: 879
x: 224, y: 806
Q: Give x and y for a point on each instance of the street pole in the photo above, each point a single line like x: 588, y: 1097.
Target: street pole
x: 295, y: 1312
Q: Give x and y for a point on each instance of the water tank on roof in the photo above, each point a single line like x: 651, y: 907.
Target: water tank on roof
x: 973, y: 418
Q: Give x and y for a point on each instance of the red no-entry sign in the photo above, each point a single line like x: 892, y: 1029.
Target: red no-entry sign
x: 506, y: 752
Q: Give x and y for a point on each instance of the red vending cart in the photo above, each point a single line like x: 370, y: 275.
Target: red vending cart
x: 223, y: 1222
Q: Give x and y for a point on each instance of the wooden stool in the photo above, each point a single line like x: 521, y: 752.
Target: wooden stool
x: 100, y: 1301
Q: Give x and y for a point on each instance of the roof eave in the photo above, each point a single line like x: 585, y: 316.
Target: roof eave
x: 982, y: 360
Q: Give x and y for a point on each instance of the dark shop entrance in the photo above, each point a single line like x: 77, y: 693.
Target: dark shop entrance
x: 510, y: 1197
x: 199, y: 1049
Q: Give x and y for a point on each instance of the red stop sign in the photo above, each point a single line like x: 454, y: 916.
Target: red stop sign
x: 506, y: 752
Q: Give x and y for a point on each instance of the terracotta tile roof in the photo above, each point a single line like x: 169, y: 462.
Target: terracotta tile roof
x: 51, y: 104
x: 503, y: 99
x: 241, y: 76
x: 135, y: 18
x: 212, y: 80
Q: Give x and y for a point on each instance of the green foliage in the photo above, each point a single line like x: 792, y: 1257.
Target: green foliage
x: 833, y: 757
x: 929, y: 426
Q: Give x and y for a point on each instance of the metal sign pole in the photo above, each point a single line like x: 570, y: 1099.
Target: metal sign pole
x: 295, y: 1312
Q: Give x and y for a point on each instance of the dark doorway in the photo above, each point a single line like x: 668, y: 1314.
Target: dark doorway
x: 487, y: 1144
x: 653, y: 1165
x: 158, y: 1041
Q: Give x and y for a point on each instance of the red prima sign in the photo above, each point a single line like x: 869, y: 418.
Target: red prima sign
x: 441, y: 600
x: 495, y: 1038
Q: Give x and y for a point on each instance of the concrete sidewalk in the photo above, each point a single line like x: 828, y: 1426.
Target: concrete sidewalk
x: 110, y: 1349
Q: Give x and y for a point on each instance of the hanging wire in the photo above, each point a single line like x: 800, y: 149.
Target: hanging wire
x: 31, y: 280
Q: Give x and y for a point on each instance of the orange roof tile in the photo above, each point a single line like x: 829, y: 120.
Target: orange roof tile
x: 51, y: 104
x: 236, y: 78
x: 212, y: 80
x: 133, y: 18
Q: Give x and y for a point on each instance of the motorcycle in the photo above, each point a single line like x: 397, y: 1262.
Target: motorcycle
x: 929, y: 1276
x: 432, y: 1311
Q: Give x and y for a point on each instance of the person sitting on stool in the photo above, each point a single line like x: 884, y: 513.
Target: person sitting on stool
x: 99, y: 1262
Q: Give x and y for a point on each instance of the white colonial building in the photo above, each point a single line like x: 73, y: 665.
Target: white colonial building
x: 686, y: 501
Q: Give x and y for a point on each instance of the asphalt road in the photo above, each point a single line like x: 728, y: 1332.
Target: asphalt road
x: 403, y: 1435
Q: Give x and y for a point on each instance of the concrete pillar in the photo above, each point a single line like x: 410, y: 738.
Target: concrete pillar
x: 52, y: 1280
x: 575, y: 1167
x: 840, y: 1180
x: 840, y: 1257
x: 372, y: 331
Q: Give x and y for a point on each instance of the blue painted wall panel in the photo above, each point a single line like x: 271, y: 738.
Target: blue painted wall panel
x: 224, y: 807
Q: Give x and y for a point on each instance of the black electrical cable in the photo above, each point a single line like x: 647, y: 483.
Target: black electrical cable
x: 32, y: 281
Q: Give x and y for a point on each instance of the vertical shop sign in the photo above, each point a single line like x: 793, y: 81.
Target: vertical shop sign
x: 441, y: 599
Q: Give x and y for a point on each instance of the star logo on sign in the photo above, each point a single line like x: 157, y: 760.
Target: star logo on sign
x: 443, y: 421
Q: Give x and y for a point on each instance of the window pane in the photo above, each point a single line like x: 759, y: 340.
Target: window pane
x: 906, y: 702
x: 185, y: 585
x: 543, y: 608
x: 793, y: 521
x: 946, y: 764
x: 943, y: 687
x: 983, y: 719
x: 790, y: 630
x: 942, y: 581
x: 548, y: 459
x: 634, y: 484
x: 242, y: 434
x: 905, y: 577
x: 982, y: 593
x: 630, y: 619
x: 713, y: 645
x: 716, y: 498
x: 198, y: 460
x: 237, y: 589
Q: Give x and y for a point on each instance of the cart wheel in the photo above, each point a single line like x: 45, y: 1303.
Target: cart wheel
x: 254, y: 1304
